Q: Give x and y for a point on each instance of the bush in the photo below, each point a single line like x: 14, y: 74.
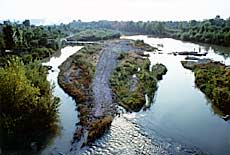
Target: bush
x: 26, y: 100
x: 130, y: 92
x: 214, y: 80
x: 40, y: 53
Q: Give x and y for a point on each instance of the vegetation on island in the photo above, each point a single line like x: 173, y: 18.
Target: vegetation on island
x: 77, y: 72
x: 75, y: 77
x: 213, y: 79
x: 132, y: 80
x: 28, y: 107
x: 143, y: 46
x: 94, y: 35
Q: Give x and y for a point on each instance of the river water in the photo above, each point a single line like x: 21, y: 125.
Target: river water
x: 180, y: 121
x: 67, y: 110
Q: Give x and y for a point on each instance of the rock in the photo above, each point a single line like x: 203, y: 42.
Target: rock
x: 192, y: 64
x: 191, y: 58
x: 191, y: 53
x: 188, y: 64
x: 143, y: 54
x: 34, y: 146
x: 226, y: 117
x: 49, y: 67
x: 160, y: 45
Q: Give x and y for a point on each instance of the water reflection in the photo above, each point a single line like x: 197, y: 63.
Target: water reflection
x: 68, y: 115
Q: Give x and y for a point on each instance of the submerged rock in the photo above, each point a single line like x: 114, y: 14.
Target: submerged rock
x: 191, y: 58
x: 190, y: 53
x: 192, y: 64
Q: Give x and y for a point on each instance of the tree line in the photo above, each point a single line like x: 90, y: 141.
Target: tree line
x: 213, y: 31
x: 24, y: 38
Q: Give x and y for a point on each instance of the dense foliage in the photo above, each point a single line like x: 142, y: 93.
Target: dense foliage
x: 24, y: 38
x: 214, y: 80
x: 214, y: 31
x: 26, y: 101
x: 94, y: 35
x: 140, y: 27
x: 132, y: 80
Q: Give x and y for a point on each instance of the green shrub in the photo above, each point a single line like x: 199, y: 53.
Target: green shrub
x: 214, y: 80
x: 26, y: 100
x: 146, y: 81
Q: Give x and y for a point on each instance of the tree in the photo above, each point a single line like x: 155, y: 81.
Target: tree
x: 160, y: 27
x: 8, y: 36
x: 26, y: 23
x: 2, y: 43
x: 26, y: 100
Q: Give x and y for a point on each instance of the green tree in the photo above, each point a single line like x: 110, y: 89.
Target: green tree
x: 8, y: 36
x: 26, y: 23
x: 26, y: 100
x: 2, y: 43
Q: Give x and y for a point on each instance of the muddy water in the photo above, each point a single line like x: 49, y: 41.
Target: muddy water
x: 180, y: 121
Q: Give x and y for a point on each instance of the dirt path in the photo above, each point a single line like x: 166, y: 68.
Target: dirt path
x: 101, y: 87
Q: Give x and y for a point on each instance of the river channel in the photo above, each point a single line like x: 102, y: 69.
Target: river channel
x: 181, y: 120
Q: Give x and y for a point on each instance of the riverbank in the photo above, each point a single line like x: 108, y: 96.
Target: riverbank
x: 213, y: 79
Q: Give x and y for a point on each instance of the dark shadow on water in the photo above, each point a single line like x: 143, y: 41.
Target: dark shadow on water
x: 27, y: 144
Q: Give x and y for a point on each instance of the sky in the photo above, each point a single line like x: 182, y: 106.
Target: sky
x: 126, y: 10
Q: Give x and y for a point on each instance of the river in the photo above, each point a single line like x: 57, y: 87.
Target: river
x: 67, y: 110
x: 181, y: 119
